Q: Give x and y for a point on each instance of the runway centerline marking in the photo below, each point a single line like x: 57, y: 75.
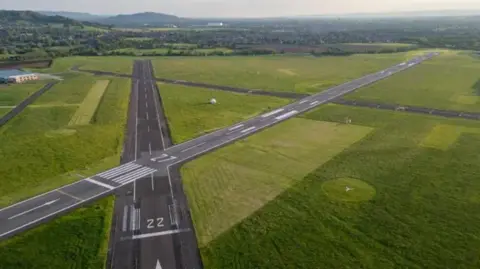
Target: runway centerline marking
x: 303, y: 101
x: 141, y: 236
x: 146, y: 115
x: 236, y: 127
x: 99, y: 183
x: 33, y: 209
x: 248, y: 129
x: 316, y: 102
x: 272, y: 113
x: 150, y: 148
x: 192, y: 147
x: 69, y: 195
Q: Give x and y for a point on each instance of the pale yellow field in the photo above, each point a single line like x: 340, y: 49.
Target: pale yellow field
x: 228, y: 185
x: 87, y: 109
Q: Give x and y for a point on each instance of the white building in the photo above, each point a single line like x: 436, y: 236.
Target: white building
x: 215, y: 24
x: 16, y: 76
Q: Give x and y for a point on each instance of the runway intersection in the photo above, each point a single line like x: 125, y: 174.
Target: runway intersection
x: 154, y: 227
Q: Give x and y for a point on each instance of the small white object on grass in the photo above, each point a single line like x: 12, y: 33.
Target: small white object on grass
x: 213, y: 101
x: 347, y: 189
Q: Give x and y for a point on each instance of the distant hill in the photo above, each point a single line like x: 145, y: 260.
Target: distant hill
x: 79, y: 16
x: 141, y: 19
x: 13, y: 16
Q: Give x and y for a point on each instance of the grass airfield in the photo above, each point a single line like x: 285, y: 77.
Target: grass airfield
x: 389, y: 190
x: 410, y: 205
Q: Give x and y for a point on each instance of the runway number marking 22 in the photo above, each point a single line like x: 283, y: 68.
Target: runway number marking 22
x: 151, y: 223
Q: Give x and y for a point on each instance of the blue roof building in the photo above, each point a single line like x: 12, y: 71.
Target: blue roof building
x: 16, y: 76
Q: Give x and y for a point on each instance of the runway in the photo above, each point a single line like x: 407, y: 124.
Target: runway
x: 148, y: 210
x: 29, y: 100
x: 166, y: 227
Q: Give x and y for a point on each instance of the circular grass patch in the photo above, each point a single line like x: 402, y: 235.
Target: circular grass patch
x: 348, y: 190
x: 60, y: 132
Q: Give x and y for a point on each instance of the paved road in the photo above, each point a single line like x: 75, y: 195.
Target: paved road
x: 29, y: 100
x: 292, y: 95
x: 149, y: 210
x: 413, y: 109
x: 39, y: 209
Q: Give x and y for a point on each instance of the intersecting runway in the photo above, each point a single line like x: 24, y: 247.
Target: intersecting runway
x: 173, y: 221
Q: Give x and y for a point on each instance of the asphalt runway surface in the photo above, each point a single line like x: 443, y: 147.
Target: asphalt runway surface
x: 162, y: 164
x: 291, y: 95
x: 144, y: 210
x: 412, y: 109
x: 29, y: 100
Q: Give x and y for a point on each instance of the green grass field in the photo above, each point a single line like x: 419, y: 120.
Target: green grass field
x: 108, y: 63
x: 77, y: 241
x: 34, y: 161
x: 449, y: 81
x: 190, y: 114
x: 278, y: 73
x: 15, y: 93
x: 37, y: 154
x: 275, y: 199
x: 72, y: 90
x: 178, y: 49
x: 87, y: 109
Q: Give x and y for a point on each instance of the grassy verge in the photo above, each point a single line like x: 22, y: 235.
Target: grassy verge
x: 449, y: 81
x: 278, y: 73
x: 190, y: 114
x: 37, y: 154
x: 69, y: 91
x: 77, y: 240
x: 422, y: 214
x: 86, y: 111
x: 80, y: 239
x: 15, y: 93
x: 112, y: 64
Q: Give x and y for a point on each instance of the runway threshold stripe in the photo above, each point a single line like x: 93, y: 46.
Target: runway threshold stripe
x: 135, y: 175
x: 141, y: 236
x: 121, y: 171
x: 116, y: 169
x: 99, y: 183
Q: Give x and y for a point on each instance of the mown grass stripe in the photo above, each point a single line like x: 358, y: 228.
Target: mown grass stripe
x: 86, y: 111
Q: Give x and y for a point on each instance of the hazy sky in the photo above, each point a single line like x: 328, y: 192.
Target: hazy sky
x: 239, y: 8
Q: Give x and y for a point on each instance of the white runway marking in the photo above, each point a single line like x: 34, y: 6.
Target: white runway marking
x: 173, y: 219
x: 286, y: 115
x: 150, y: 148
x: 192, y: 147
x: 146, y: 115
x: 132, y: 218
x: 148, y: 128
x: 99, y: 183
x: 272, y: 113
x: 134, y: 175
x: 141, y: 236
x: 153, y: 185
x: 146, y: 104
x: 303, y: 101
x: 119, y: 170
x: 69, y: 195
x: 32, y: 209
x: 236, y: 127
x: 125, y: 215
x: 248, y: 129
x: 158, y: 266
x: 316, y: 102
